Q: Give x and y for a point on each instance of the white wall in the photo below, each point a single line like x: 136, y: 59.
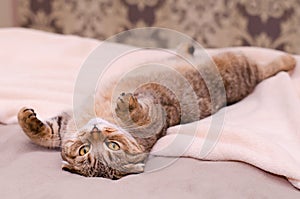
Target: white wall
x: 6, y: 13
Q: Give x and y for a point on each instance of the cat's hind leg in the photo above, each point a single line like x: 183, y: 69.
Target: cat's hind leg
x: 45, y: 133
x: 285, y: 62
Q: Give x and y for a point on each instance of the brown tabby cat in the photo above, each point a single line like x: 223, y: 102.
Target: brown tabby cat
x: 112, y: 149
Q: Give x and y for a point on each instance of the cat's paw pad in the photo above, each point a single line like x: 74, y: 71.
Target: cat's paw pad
x: 29, y: 122
x: 126, y: 103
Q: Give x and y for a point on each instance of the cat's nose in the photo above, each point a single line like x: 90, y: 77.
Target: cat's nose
x: 95, y: 132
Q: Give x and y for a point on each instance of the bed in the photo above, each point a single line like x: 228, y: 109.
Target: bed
x: 30, y: 171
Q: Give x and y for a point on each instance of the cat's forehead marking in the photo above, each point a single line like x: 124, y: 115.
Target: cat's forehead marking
x: 101, y: 124
x: 96, y: 121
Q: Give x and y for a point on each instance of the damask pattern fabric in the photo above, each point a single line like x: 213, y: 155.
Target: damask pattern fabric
x: 220, y: 23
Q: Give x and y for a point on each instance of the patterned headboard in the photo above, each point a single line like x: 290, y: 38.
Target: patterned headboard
x: 213, y: 23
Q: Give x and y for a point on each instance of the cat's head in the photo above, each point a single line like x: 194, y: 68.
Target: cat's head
x: 104, y: 150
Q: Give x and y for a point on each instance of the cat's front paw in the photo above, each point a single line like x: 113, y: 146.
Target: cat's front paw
x: 30, y: 124
x: 126, y: 103
x: 129, y: 110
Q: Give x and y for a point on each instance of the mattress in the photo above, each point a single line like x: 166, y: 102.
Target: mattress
x: 30, y: 171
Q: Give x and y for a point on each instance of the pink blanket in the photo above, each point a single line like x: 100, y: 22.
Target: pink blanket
x: 39, y: 69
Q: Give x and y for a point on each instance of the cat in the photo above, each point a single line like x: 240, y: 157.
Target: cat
x: 113, y: 147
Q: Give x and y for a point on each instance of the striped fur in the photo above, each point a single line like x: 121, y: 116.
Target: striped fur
x: 144, y: 115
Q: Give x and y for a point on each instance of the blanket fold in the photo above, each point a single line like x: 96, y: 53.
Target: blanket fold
x: 262, y: 130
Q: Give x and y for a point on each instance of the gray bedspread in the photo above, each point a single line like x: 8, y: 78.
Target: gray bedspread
x: 29, y: 171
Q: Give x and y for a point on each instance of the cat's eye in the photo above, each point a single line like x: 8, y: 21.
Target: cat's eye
x: 84, y: 150
x: 113, y: 146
